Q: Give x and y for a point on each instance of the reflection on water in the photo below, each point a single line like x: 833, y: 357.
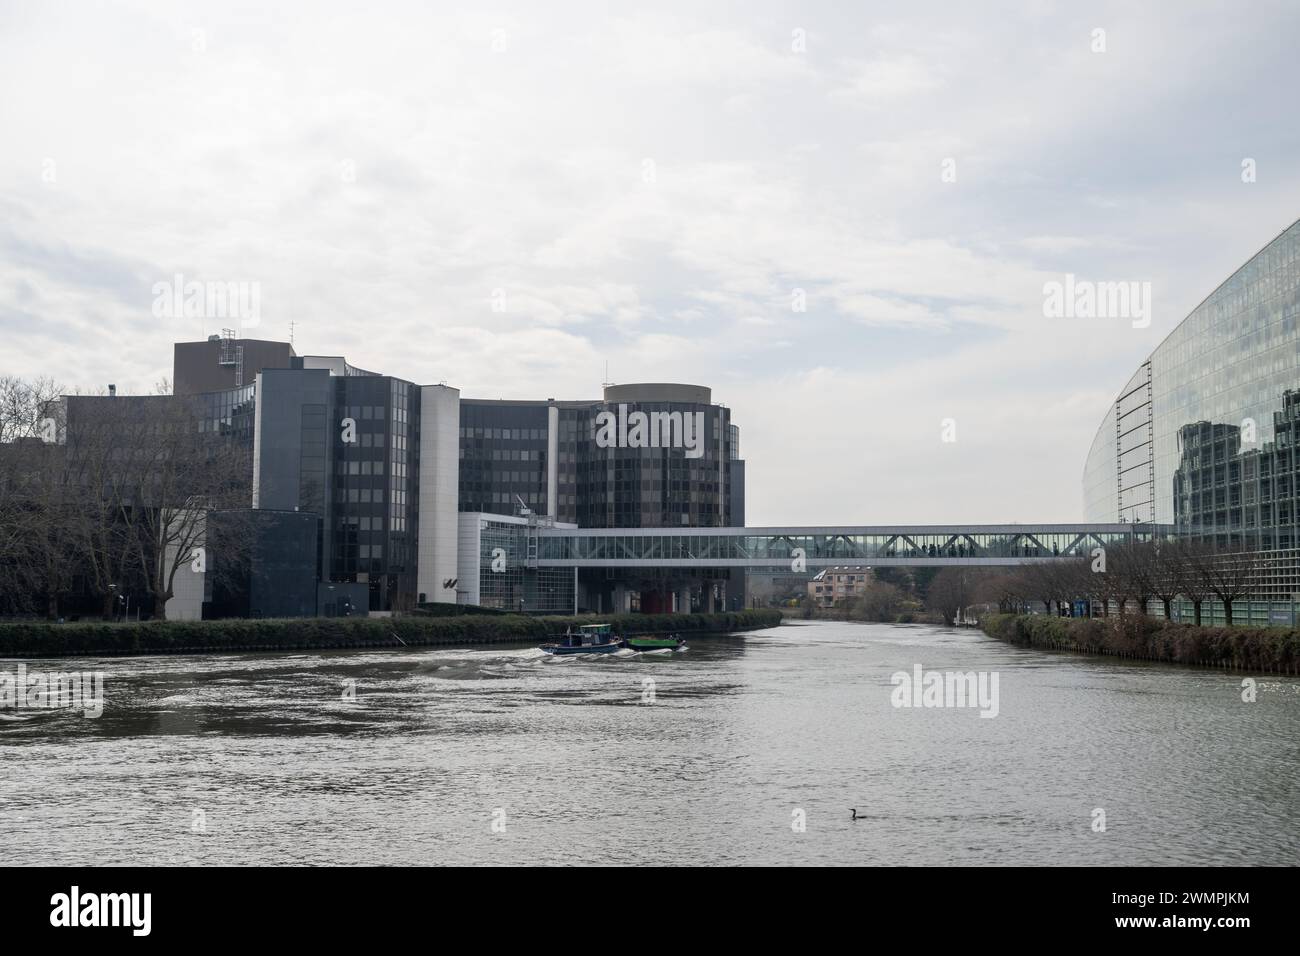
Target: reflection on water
x: 742, y: 732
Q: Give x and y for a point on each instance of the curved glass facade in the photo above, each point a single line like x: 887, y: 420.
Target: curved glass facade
x: 656, y: 487
x: 1200, y: 437
x: 1119, y: 479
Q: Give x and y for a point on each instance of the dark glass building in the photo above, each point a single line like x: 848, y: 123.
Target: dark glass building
x: 556, y: 459
x: 345, y: 448
x: 645, y: 456
x: 504, y: 457
x: 263, y: 564
x: 375, y: 509
x: 676, y: 477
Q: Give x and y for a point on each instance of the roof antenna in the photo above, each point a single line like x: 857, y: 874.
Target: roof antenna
x: 607, y: 383
x: 291, y: 333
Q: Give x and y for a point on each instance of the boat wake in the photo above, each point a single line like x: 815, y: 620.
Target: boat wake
x: 475, y: 665
x: 178, y: 699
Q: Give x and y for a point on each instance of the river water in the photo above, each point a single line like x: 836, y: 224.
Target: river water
x: 743, y: 749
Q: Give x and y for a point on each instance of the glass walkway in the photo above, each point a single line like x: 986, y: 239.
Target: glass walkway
x: 801, y: 548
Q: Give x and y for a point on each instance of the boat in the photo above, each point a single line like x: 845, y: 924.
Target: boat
x: 587, y: 639
x: 670, y: 643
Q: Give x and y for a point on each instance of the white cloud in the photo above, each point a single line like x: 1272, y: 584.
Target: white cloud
x: 884, y: 81
x: 381, y: 172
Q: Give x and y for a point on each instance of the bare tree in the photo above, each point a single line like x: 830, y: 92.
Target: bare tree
x: 37, y: 556
x: 954, y: 590
x: 1119, y: 582
x: 1003, y: 588
x: 1193, y: 582
x: 1078, y: 580
x: 96, y: 474
x: 1221, y: 571
x: 879, y: 601
x: 110, y: 490
x: 1045, y: 581
x: 1132, y: 568
x: 177, y: 474
x: 145, y: 474
x: 1168, y: 573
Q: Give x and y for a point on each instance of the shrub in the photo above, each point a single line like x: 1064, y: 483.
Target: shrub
x: 1137, y: 635
x: 46, y: 639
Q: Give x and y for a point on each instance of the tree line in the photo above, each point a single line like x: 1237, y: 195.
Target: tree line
x: 1128, y: 576
x: 1132, y: 575
x: 1136, y: 574
x: 105, y: 498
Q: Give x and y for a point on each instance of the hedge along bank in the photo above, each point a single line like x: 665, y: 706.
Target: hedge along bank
x: 1140, y: 637
x: 46, y: 639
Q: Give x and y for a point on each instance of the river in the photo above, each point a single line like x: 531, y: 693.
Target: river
x: 743, y: 749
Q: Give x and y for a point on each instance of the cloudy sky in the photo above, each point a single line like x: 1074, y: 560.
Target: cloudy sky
x: 506, y: 197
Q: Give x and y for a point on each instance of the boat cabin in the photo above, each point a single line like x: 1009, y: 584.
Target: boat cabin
x: 589, y: 635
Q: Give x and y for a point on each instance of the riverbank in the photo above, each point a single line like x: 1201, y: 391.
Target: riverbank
x: 1269, y: 650
x: 235, y: 635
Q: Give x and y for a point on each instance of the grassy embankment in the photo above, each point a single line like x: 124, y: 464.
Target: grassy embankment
x: 45, y: 639
x: 1270, y: 650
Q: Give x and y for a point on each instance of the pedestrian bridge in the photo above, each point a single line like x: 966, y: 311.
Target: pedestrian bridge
x: 785, y: 548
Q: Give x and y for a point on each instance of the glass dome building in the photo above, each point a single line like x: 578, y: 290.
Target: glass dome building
x: 1202, y: 435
